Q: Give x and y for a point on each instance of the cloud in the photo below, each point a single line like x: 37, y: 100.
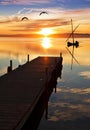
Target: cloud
x: 24, y: 11
x: 53, y: 14
x: 9, y: 19
x: 32, y: 2
x: 29, y: 2
x: 69, y: 104
x: 78, y: 11
x: 47, y: 23
x: 74, y: 90
x: 85, y: 74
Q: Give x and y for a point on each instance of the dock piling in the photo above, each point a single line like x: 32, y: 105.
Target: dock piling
x: 9, y: 69
x: 28, y: 58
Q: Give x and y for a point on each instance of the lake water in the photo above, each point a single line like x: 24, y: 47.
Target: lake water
x: 69, y: 108
x: 16, y: 49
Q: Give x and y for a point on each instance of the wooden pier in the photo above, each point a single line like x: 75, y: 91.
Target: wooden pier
x: 25, y: 91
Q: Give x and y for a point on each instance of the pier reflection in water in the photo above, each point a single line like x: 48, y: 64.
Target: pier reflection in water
x: 69, y: 108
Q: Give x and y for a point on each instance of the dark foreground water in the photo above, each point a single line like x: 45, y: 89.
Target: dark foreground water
x: 69, y: 108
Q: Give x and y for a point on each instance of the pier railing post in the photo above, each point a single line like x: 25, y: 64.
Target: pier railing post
x: 28, y: 58
x: 11, y: 64
x: 9, y: 69
x: 61, y: 58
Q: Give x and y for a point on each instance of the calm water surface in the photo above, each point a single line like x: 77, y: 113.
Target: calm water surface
x: 69, y: 108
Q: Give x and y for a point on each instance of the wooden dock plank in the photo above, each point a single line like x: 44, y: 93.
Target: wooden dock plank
x: 20, y: 91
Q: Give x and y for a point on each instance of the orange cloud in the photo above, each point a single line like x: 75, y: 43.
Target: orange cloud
x: 57, y: 19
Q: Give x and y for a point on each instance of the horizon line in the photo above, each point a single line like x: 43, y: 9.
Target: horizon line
x: 62, y: 35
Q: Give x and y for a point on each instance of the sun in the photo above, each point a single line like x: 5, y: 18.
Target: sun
x: 46, y: 43
x: 46, y: 31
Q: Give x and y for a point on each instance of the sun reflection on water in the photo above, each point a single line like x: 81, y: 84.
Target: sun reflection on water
x: 46, y: 42
x: 17, y: 49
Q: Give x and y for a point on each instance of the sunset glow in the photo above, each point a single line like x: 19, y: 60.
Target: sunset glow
x: 56, y: 23
x: 46, y: 31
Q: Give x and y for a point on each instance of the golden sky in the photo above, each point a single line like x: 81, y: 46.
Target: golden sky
x: 58, y: 20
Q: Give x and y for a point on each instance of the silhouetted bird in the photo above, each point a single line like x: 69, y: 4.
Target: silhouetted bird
x: 43, y: 12
x: 24, y: 18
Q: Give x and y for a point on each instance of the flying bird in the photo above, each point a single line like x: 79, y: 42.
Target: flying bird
x: 24, y: 18
x: 43, y: 12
